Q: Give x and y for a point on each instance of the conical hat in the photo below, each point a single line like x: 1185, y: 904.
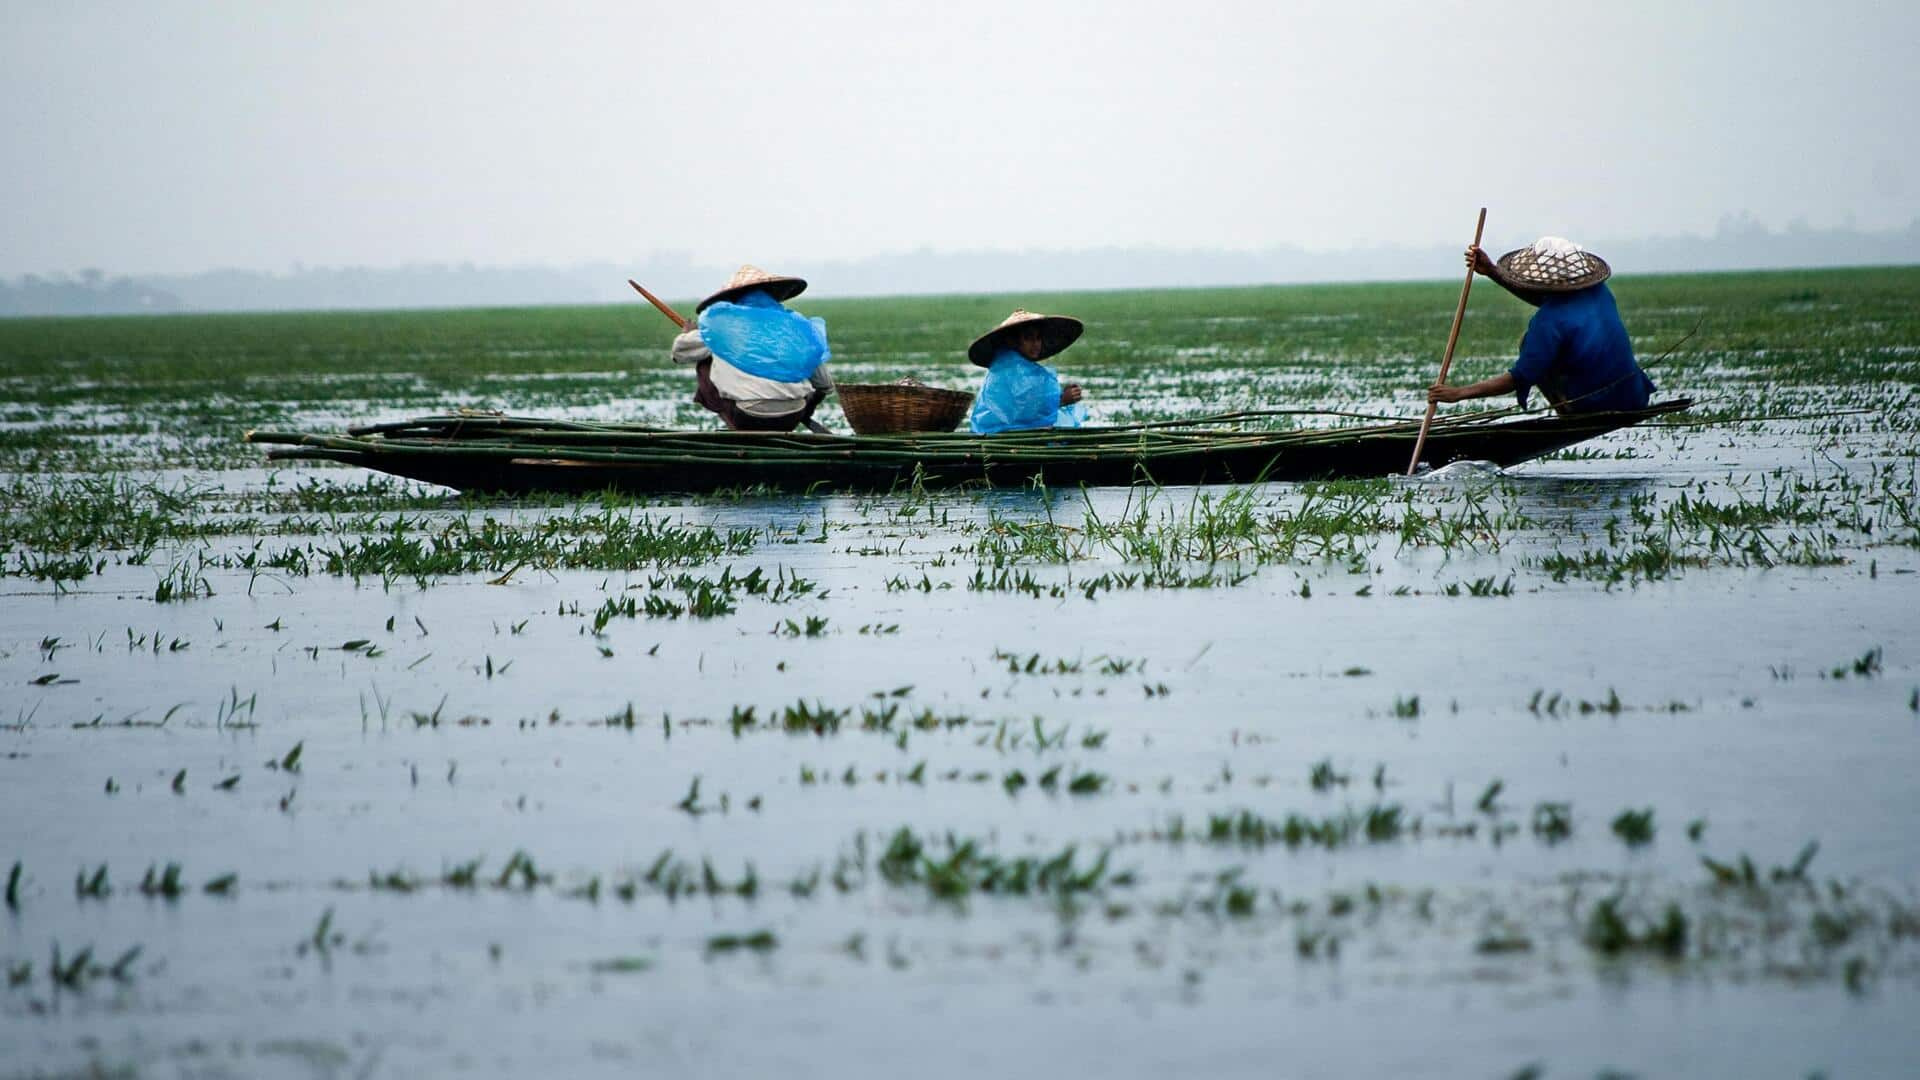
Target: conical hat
x: 1056, y: 333
x: 748, y: 277
x: 1551, y: 264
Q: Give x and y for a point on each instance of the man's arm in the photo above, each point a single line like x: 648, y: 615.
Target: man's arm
x: 1502, y: 383
x: 690, y: 348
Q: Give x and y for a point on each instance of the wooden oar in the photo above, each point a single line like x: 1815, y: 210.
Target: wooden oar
x: 1446, y: 361
x: 658, y: 303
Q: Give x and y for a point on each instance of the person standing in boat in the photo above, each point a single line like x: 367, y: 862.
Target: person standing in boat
x: 1576, y: 348
x: 1020, y: 393
x: 760, y: 365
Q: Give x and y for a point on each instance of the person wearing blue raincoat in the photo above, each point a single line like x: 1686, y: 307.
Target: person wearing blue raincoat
x: 1020, y: 393
x: 760, y: 365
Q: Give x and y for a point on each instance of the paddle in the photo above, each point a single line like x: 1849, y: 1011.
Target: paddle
x: 812, y: 425
x: 658, y: 303
x: 1446, y: 361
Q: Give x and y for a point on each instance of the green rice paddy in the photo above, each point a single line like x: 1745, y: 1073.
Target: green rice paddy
x: 1599, y: 766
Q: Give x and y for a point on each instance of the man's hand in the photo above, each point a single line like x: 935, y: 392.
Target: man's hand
x: 1442, y: 394
x: 1479, y: 262
x: 1070, y: 394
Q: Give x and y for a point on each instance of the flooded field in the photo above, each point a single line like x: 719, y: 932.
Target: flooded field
x: 1603, y: 765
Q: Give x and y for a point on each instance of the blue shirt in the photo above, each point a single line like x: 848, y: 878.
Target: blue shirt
x: 1576, y: 348
x: 1020, y: 395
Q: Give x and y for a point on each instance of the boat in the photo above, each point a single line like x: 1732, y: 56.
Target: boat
x: 490, y: 452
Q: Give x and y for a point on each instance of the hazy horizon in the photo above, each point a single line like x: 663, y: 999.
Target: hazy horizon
x: 1739, y: 244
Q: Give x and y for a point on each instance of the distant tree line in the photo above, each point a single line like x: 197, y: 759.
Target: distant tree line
x: 91, y: 292
x: 1739, y: 243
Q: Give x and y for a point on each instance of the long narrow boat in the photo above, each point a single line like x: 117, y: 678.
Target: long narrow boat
x: 494, y: 453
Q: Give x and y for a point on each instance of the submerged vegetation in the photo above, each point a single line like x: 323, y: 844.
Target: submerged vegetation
x: 1461, y: 734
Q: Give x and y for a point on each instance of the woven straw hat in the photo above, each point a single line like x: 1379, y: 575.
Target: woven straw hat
x: 1551, y: 264
x: 1056, y: 333
x: 779, y: 286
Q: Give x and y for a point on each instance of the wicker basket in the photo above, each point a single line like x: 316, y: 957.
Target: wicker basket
x: 885, y: 408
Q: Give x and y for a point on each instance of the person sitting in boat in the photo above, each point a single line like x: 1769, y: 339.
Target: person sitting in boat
x: 1020, y: 393
x: 1576, y: 348
x: 760, y: 365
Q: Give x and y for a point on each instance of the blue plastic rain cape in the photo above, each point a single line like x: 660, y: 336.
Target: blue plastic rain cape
x: 1020, y: 395
x: 761, y: 337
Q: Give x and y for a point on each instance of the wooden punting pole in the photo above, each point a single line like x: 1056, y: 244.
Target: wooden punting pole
x: 1446, y: 360
x: 674, y: 315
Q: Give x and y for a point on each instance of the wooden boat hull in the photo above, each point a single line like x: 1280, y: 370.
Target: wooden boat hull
x: 579, y: 461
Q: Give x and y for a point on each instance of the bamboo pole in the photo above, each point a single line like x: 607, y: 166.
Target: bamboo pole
x: 1453, y: 337
x: 658, y: 303
x: 457, y: 434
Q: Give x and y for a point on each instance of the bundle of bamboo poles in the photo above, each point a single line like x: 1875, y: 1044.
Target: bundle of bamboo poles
x: 522, y: 437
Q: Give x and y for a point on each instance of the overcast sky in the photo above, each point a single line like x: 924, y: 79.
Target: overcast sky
x: 167, y: 137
